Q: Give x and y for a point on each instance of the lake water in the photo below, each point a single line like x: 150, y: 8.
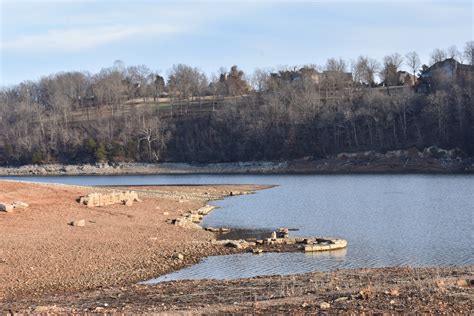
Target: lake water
x: 388, y: 220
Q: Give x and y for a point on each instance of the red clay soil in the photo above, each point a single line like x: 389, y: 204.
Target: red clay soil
x: 40, y: 253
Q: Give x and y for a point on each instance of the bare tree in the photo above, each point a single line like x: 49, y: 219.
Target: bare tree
x: 413, y: 61
x: 469, y: 53
x: 364, y: 70
x: 453, y: 52
x: 438, y: 55
x: 389, y: 73
x: 139, y: 81
x: 184, y: 83
x: 260, y: 80
x: 337, y: 65
x: 148, y: 134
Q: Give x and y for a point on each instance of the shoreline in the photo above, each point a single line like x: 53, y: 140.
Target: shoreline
x: 119, y: 247
x: 398, y: 165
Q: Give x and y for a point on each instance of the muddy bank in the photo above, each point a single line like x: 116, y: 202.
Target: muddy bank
x: 386, y: 290
x: 41, y: 253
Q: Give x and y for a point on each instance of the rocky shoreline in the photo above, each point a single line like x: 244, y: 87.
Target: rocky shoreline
x: 334, y: 165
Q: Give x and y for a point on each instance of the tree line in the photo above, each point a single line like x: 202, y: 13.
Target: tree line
x: 135, y: 114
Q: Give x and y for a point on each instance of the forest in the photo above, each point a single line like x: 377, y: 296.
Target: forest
x: 132, y: 114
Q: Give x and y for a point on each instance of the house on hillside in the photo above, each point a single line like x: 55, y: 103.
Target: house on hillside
x: 443, y: 73
x: 325, y: 78
x: 296, y: 75
x: 336, y: 78
x: 405, y: 78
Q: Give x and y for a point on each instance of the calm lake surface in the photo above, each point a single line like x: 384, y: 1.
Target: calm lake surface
x: 388, y: 220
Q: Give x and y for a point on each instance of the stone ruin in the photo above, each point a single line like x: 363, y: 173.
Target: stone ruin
x: 193, y: 218
x: 102, y: 199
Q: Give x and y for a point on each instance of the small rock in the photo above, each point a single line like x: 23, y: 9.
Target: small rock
x: 178, y: 256
x: 78, y: 223
x: 166, y: 213
x: 212, y: 229
x: 365, y: 293
x: 239, y: 244
x: 128, y: 203
x: 324, y: 305
x: 462, y: 282
x: 395, y: 292
x: 257, y: 251
x: 392, y: 302
x: 341, y: 299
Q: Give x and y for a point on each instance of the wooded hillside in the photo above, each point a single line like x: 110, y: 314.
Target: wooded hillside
x: 133, y: 114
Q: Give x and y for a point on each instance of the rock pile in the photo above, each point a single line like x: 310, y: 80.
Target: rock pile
x: 102, y: 199
x: 193, y: 218
x: 5, y: 207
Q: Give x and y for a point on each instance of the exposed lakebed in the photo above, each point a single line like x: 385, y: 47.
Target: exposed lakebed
x: 388, y: 220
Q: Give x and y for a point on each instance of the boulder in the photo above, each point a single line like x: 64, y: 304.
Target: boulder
x: 6, y: 207
x: 239, y: 244
x: 205, y: 210
x: 20, y: 204
x: 282, y: 233
x: 183, y: 222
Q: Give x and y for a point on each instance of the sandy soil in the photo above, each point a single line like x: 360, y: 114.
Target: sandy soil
x: 40, y: 253
x: 48, y: 266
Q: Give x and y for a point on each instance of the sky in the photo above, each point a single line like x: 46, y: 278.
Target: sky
x: 39, y: 38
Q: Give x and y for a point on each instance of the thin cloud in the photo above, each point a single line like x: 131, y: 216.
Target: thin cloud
x: 73, y: 26
x: 80, y: 38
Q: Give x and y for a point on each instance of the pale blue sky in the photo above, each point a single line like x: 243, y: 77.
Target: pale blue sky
x: 42, y: 37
